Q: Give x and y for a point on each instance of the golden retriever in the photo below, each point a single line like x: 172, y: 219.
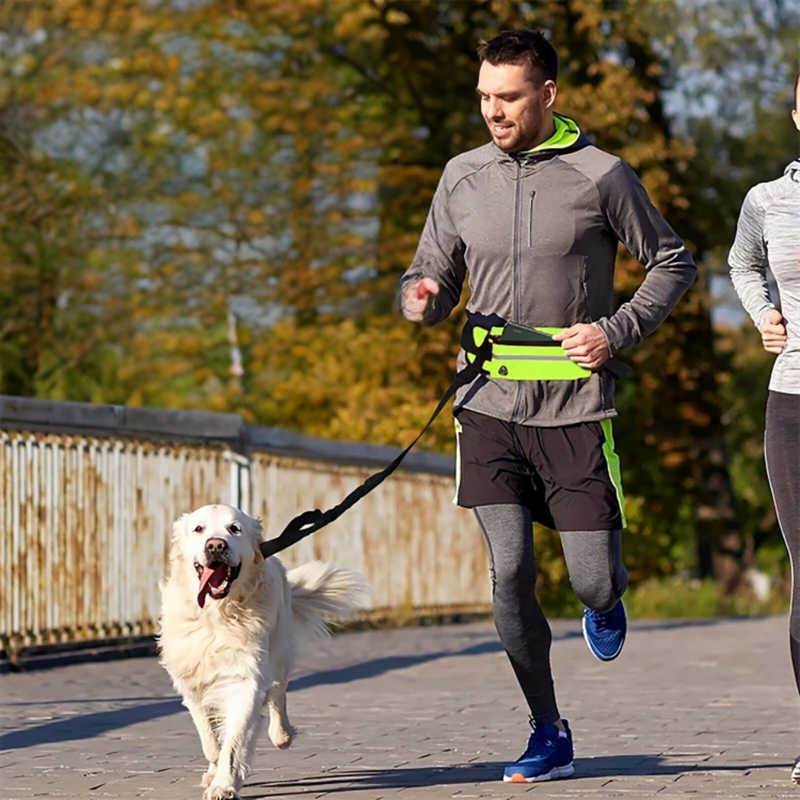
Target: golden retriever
x: 229, y: 627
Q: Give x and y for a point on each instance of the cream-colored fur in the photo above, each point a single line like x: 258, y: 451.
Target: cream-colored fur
x: 234, y: 655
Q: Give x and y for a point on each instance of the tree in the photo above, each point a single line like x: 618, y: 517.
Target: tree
x: 731, y: 70
x: 48, y: 279
x: 259, y: 175
x: 610, y: 81
x: 219, y: 203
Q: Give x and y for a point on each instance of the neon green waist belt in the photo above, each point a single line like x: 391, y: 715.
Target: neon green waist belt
x: 520, y: 353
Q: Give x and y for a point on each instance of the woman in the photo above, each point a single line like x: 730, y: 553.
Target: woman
x: 768, y: 235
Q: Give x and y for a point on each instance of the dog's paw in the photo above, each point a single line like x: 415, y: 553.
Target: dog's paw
x: 281, y: 740
x: 279, y: 736
x: 208, y: 777
x: 221, y: 793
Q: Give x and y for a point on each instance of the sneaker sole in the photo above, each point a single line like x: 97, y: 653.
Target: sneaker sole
x: 556, y: 772
x: 594, y: 652
x: 796, y: 774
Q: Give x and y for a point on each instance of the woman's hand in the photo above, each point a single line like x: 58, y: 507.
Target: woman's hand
x: 773, y: 332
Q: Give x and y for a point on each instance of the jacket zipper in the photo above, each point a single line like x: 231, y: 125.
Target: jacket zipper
x: 515, y: 271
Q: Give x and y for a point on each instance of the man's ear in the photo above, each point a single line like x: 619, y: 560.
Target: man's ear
x: 549, y: 92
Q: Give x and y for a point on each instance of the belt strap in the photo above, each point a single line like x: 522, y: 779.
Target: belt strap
x: 523, y: 353
x: 311, y: 521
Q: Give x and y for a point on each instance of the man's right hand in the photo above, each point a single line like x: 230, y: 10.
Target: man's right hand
x: 415, y: 298
x: 773, y: 332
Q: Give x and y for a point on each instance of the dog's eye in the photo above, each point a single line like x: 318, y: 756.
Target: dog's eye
x: 234, y: 528
x: 199, y: 529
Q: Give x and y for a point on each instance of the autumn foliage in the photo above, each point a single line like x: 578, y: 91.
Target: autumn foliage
x: 208, y: 205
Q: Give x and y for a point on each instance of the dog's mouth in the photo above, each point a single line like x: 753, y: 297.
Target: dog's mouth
x: 216, y: 580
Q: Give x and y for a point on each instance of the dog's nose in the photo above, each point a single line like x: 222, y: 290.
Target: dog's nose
x: 216, y: 547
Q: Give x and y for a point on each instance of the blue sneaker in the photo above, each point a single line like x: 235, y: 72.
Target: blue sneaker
x: 548, y: 755
x: 605, y: 632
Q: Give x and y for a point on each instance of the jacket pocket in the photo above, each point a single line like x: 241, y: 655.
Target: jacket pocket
x: 585, y: 290
x: 551, y: 224
x: 530, y: 219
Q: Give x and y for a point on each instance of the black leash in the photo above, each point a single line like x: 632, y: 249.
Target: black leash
x: 311, y: 521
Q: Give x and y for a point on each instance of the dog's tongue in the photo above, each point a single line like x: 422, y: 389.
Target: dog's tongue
x: 212, y: 577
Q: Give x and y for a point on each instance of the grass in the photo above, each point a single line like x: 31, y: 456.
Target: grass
x: 665, y: 598
x: 694, y: 599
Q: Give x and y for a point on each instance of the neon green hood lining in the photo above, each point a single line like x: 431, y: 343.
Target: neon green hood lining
x: 567, y: 133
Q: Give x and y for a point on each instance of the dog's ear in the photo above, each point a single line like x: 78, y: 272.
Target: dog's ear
x: 175, y: 549
x: 258, y: 526
x: 256, y: 532
x: 179, y: 527
x: 250, y: 523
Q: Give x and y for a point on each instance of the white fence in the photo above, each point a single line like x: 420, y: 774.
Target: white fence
x: 88, y: 495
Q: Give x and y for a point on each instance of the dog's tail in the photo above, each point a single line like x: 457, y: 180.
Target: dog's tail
x: 323, y: 593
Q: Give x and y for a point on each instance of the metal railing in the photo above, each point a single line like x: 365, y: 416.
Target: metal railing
x: 88, y: 494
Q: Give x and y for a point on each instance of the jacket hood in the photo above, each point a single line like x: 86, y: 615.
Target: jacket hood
x: 793, y: 170
x: 567, y: 138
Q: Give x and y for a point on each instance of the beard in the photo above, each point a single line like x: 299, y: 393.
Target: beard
x: 508, y: 143
x: 522, y: 134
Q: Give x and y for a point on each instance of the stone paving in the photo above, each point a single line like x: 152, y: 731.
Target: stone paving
x: 701, y: 710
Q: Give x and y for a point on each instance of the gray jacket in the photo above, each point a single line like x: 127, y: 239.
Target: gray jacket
x: 537, y: 232
x: 768, y: 235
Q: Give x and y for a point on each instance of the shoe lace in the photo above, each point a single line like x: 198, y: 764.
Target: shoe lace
x: 536, y: 737
x: 600, y: 620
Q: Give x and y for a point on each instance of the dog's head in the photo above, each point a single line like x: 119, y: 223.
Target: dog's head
x: 218, y: 547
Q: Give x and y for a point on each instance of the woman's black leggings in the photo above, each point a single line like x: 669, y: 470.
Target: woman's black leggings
x: 782, y: 456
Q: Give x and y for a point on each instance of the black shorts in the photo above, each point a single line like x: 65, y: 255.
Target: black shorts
x: 568, y: 477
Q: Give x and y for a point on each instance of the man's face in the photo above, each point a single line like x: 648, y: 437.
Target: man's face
x: 515, y: 106
x: 796, y: 111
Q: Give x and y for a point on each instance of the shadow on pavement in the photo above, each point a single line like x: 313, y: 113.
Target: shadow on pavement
x: 620, y: 766
x: 81, y: 701
x: 378, y: 666
x: 97, y: 723
x: 634, y: 764
x: 87, y: 726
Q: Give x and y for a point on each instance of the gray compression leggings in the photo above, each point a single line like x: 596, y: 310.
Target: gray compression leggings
x: 782, y: 454
x: 598, y: 577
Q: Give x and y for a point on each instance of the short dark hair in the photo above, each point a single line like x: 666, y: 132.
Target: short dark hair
x: 523, y: 46
x: 796, y: 87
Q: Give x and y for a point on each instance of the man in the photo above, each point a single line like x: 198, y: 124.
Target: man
x: 768, y: 235
x: 535, y: 217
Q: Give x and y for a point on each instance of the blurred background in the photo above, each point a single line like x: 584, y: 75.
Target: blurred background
x: 206, y: 204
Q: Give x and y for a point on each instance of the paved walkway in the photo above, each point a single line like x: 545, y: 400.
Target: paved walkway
x: 698, y: 710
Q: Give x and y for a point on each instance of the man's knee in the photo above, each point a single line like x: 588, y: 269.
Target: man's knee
x: 596, y: 571
x: 514, y: 578
x: 598, y: 593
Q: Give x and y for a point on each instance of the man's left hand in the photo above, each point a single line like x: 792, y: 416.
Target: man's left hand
x: 585, y: 344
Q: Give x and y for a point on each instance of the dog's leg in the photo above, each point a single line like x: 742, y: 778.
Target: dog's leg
x: 280, y: 729
x: 208, y: 738
x: 283, y: 651
x: 242, y: 724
